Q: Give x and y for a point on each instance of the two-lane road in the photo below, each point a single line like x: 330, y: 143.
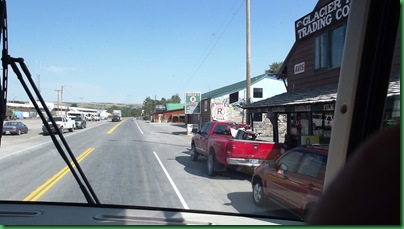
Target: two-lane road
x: 131, y: 162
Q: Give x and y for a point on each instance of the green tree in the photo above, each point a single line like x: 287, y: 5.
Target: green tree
x: 10, y: 113
x: 163, y: 101
x: 110, y: 109
x: 274, y: 68
x: 127, y: 111
x: 174, y: 99
x: 148, y: 106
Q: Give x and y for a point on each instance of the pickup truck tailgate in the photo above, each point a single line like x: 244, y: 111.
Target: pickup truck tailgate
x: 251, y: 153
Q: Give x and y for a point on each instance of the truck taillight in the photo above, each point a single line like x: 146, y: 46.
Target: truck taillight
x: 229, y: 148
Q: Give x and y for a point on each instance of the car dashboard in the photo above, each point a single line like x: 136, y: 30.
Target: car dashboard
x: 18, y: 213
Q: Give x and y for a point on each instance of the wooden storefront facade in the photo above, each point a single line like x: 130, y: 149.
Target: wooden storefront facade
x: 312, y: 70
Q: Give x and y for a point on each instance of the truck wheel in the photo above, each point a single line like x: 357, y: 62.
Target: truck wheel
x: 194, y: 154
x: 61, y: 129
x: 211, y: 164
x: 258, y: 193
x: 71, y: 129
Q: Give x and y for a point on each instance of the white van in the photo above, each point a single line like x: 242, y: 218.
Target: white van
x: 76, y: 114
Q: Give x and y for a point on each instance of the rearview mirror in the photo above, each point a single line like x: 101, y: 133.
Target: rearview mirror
x: 283, y: 167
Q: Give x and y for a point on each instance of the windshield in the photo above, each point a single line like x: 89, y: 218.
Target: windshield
x: 145, y: 74
x: 56, y: 119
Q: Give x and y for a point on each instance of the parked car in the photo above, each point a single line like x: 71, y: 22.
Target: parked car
x: 295, y: 180
x: 80, y: 122
x: 15, y: 127
x: 96, y: 118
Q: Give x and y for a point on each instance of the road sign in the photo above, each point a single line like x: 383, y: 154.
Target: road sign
x: 192, y: 103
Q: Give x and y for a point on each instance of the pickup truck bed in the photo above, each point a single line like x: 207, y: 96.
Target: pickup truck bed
x: 216, y: 142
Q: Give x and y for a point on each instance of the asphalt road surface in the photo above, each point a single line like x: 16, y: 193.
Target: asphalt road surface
x: 131, y: 162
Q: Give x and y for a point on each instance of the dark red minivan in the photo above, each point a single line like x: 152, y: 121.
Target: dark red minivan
x: 295, y: 180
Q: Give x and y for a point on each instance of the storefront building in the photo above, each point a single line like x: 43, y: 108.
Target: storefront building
x: 171, y: 112
x: 304, y: 114
x: 225, y: 103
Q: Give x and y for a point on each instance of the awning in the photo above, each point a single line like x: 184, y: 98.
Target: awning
x: 318, y: 99
x: 313, y: 99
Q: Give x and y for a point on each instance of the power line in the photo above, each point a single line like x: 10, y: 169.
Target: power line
x: 208, y: 51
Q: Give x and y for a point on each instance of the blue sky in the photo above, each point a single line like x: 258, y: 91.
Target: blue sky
x: 125, y: 50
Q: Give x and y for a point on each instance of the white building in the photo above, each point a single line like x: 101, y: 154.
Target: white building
x: 225, y: 103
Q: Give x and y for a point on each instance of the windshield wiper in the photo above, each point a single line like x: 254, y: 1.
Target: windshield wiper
x: 8, y: 60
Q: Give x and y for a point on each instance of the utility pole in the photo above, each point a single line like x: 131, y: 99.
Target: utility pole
x: 248, y: 77
x: 81, y: 100
x: 58, y: 101
x: 61, y: 94
x: 38, y: 75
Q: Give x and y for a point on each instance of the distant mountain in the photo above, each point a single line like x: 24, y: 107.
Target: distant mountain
x: 96, y: 105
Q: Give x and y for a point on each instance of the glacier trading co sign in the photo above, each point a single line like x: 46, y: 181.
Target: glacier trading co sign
x: 192, y: 103
x: 323, y: 17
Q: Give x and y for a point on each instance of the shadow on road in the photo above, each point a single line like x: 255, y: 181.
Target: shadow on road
x: 179, y: 125
x: 242, y: 202
x: 174, y: 133
x: 199, y: 168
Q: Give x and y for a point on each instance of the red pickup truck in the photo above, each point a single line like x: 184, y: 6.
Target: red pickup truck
x: 216, y: 142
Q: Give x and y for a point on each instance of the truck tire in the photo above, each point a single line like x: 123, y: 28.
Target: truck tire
x: 194, y: 153
x: 211, y: 164
x: 258, y: 195
x: 61, y: 130
x: 71, y: 129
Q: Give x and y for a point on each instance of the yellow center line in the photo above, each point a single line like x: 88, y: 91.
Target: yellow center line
x: 113, y: 128
x: 35, y: 195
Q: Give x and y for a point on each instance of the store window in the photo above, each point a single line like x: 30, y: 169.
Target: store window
x: 257, y: 92
x: 322, y: 123
x: 299, y: 123
x: 328, y: 48
x: 233, y: 97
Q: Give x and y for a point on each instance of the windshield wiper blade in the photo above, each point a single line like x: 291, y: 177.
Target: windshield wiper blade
x: 88, y: 192
x: 85, y: 187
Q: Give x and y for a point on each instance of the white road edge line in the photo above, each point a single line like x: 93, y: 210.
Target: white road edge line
x: 184, y: 204
x: 138, y: 127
